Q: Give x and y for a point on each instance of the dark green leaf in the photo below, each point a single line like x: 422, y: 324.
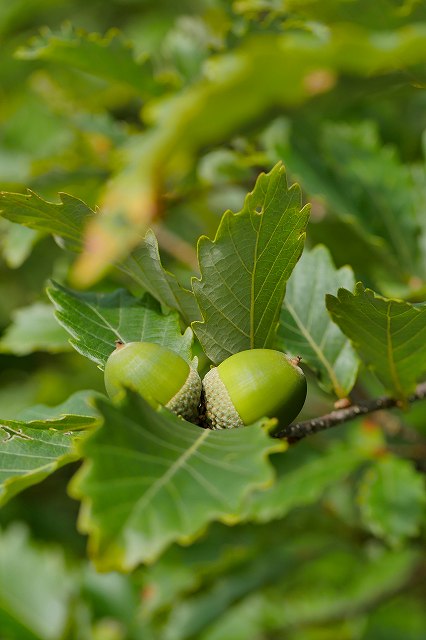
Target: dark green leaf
x: 389, y: 335
x: 40, y: 441
x: 335, y: 212
x: 351, y: 584
x: 377, y: 186
x: 151, y: 478
x: 245, y: 269
x: 96, y: 320
x: 144, y: 266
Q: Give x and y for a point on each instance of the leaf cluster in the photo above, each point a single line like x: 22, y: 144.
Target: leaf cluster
x: 156, y: 129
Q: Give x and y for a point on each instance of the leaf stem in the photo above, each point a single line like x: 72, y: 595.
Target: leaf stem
x: 295, y: 432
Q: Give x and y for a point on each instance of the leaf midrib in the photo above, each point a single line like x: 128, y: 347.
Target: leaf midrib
x: 338, y: 389
x: 391, y: 360
x: 164, y: 479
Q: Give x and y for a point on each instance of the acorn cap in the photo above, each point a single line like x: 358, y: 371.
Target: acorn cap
x: 253, y: 384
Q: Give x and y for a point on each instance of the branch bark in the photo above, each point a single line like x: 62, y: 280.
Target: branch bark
x: 295, y: 432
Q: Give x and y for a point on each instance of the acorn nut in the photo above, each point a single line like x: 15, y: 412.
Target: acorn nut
x: 158, y: 374
x: 253, y: 384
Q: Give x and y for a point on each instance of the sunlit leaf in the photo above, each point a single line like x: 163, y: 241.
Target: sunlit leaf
x: 109, y: 57
x: 225, y: 98
x: 245, y: 269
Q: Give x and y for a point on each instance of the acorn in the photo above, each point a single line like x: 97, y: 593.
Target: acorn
x: 253, y: 384
x: 158, y: 374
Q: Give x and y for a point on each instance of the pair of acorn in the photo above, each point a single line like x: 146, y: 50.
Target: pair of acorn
x: 245, y: 387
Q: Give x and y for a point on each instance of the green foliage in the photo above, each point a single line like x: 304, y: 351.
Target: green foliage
x: 108, y: 57
x: 25, y: 612
x: 392, y: 498
x: 65, y: 220
x: 390, y: 336
x: 40, y: 441
x: 304, y: 483
x: 34, y: 328
x: 178, y: 123
x: 306, y: 328
x: 96, y: 321
x: 245, y: 269
x: 150, y: 119
x: 151, y: 478
x: 144, y: 266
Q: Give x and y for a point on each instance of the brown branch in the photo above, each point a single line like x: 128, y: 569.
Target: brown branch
x: 297, y: 431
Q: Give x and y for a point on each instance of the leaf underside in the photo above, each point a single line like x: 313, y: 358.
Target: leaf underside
x: 306, y: 328
x: 144, y: 266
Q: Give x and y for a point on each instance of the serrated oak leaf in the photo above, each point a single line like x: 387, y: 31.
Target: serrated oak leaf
x: 150, y: 478
x: 245, y: 269
x: 65, y: 220
x: 41, y: 440
x: 389, y: 335
x: 96, y: 320
x: 144, y: 266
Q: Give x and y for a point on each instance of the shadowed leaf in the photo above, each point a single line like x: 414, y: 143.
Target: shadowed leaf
x: 151, y: 478
x: 96, y: 320
x: 305, y: 327
x: 389, y: 335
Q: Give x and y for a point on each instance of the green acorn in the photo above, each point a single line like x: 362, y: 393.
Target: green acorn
x: 253, y: 384
x: 158, y: 374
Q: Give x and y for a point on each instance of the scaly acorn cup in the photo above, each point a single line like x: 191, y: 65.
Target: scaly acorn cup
x: 253, y: 384
x: 158, y: 374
